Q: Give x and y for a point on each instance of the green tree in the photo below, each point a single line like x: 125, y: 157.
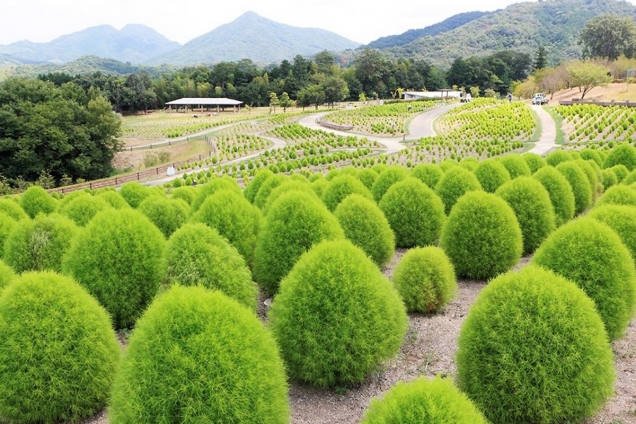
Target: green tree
x: 608, y: 36
x: 285, y: 101
x: 313, y: 94
x: 541, y: 59
x: 335, y: 89
x: 586, y: 75
x: 273, y: 101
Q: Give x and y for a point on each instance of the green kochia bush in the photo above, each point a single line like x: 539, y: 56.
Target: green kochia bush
x: 386, y: 179
x: 6, y: 275
x: 482, y: 237
x: 366, y: 226
x: 253, y: 186
x: 187, y: 194
x: 341, y: 187
x: 560, y: 192
x: 621, y: 172
x: 557, y: 157
x: 428, y: 173
x: 579, y: 183
x: 319, y: 186
x: 234, y: 218
x: 296, y: 221
x: 618, y: 195
x: 454, y: 184
x: 167, y: 214
x: 36, y: 200
x: 423, y: 401
x: 11, y: 208
x: 623, y: 154
x: 367, y: 176
x: 425, y: 279
x: 591, y: 154
x: 208, y: 189
x: 114, y: 199
x: 336, y: 317
x: 534, y: 161
x: 533, y: 350
x: 266, y: 189
x: 608, y: 177
x: 134, y: 193
x: 515, y: 165
x: 39, y: 244
x: 591, y: 255
x: 83, y: 208
x: 533, y: 208
x: 592, y: 177
x: 491, y: 175
x: 415, y: 213
x: 118, y: 259
x: 286, y: 186
x: 197, y: 356
x: 197, y: 255
x: 621, y: 219
x: 6, y: 226
x: 58, y: 354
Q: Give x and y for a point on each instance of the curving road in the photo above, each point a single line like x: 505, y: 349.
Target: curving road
x: 547, y: 141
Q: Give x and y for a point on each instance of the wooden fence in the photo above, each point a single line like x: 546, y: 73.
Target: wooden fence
x: 573, y: 102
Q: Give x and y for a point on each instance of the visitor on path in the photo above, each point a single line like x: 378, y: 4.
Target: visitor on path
x: 509, y: 97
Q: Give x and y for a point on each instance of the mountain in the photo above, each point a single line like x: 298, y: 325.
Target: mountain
x: 253, y: 37
x: 411, y: 35
x: 523, y: 27
x: 133, y: 43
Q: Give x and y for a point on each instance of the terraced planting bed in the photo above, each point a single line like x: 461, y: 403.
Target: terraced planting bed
x: 295, y: 134
x: 583, y: 123
x: 384, y: 120
x: 481, y: 129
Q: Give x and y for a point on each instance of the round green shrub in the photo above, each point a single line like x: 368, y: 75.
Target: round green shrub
x: 580, y: 185
x: 366, y: 226
x: 167, y: 214
x: 235, y: 218
x: 423, y: 401
x: 6, y: 227
x: 118, y: 259
x: 315, y: 176
x: 286, y: 186
x: 425, y: 279
x: 618, y: 195
x: 629, y: 178
x: 253, y: 186
x: 39, y: 244
x: 298, y: 177
x: 333, y: 173
x: 6, y: 275
x: 319, y: 187
x: 83, y: 208
x: 134, y: 193
x: 341, y: 187
x: 379, y: 168
x: 187, y: 194
x: 608, y: 178
x: 533, y: 209
x: 336, y: 317
x: 621, y: 172
x: 590, y: 254
x: 198, y: 255
x: 367, y: 176
x: 12, y: 208
x: 114, y: 199
x: 454, y: 184
x: 415, y: 213
x: 266, y: 189
x: 469, y: 163
x: 67, y: 198
x: 592, y: 177
x: 622, y: 154
x: 560, y: 192
x: 491, y: 175
x: 482, y: 237
x: 36, y: 200
x: 428, y: 173
x: 534, y: 161
x: 296, y: 221
x: 515, y: 164
x: 208, y: 189
x: 621, y: 219
x: 386, y: 179
x: 533, y: 350
x: 197, y: 356
x: 557, y: 157
x: 591, y: 154
x: 448, y: 164
x: 58, y: 355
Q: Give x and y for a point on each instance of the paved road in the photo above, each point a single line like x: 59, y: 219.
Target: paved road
x: 547, y: 141
x: 422, y: 124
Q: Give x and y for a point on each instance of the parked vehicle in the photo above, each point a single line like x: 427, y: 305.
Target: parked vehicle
x: 539, y: 99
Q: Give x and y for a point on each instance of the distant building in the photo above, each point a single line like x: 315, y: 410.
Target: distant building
x: 428, y: 95
x: 205, y: 102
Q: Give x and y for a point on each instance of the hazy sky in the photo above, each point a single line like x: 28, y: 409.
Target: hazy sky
x: 183, y: 20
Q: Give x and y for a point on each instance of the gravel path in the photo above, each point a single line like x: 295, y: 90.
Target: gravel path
x: 548, y: 132
x: 422, y: 125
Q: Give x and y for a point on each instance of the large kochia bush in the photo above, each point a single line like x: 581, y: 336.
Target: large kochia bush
x: 534, y: 161
x: 579, y: 183
x: 623, y: 154
x: 454, y: 184
x: 533, y: 209
x: 560, y: 192
x: 83, y: 208
x: 386, y: 179
x: 415, y: 213
x: 336, y: 317
x: 423, y: 401
x: 491, y: 175
x: 515, y: 165
x: 197, y: 255
x: 366, y: 226
x: 341, y: 187
x: 197, y: 356
x: 618, y: 195
x: 36, y: 200
x: 58, y: 354
x: 621, y: 219
x: 208, y: 189
x: 296, y: 221
x: 533, y: 350
x: 167, y: 214
x: 255, y: 184
x: 428, y: 173
x: 118, y: 259
x: 482, y: 237
x: 591, y: 255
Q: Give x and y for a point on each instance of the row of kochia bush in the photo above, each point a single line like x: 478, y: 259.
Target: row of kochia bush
x: 180, y: 270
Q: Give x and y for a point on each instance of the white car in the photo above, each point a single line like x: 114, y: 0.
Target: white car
x: 539, y: 99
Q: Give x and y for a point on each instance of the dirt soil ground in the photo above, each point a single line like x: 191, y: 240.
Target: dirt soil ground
x: 618, y: 92
x: 428, y: 350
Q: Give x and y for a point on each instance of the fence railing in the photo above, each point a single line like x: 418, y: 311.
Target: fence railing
x: 572, y: 102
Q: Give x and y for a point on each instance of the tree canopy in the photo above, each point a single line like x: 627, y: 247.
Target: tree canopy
x: 608, y: 37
